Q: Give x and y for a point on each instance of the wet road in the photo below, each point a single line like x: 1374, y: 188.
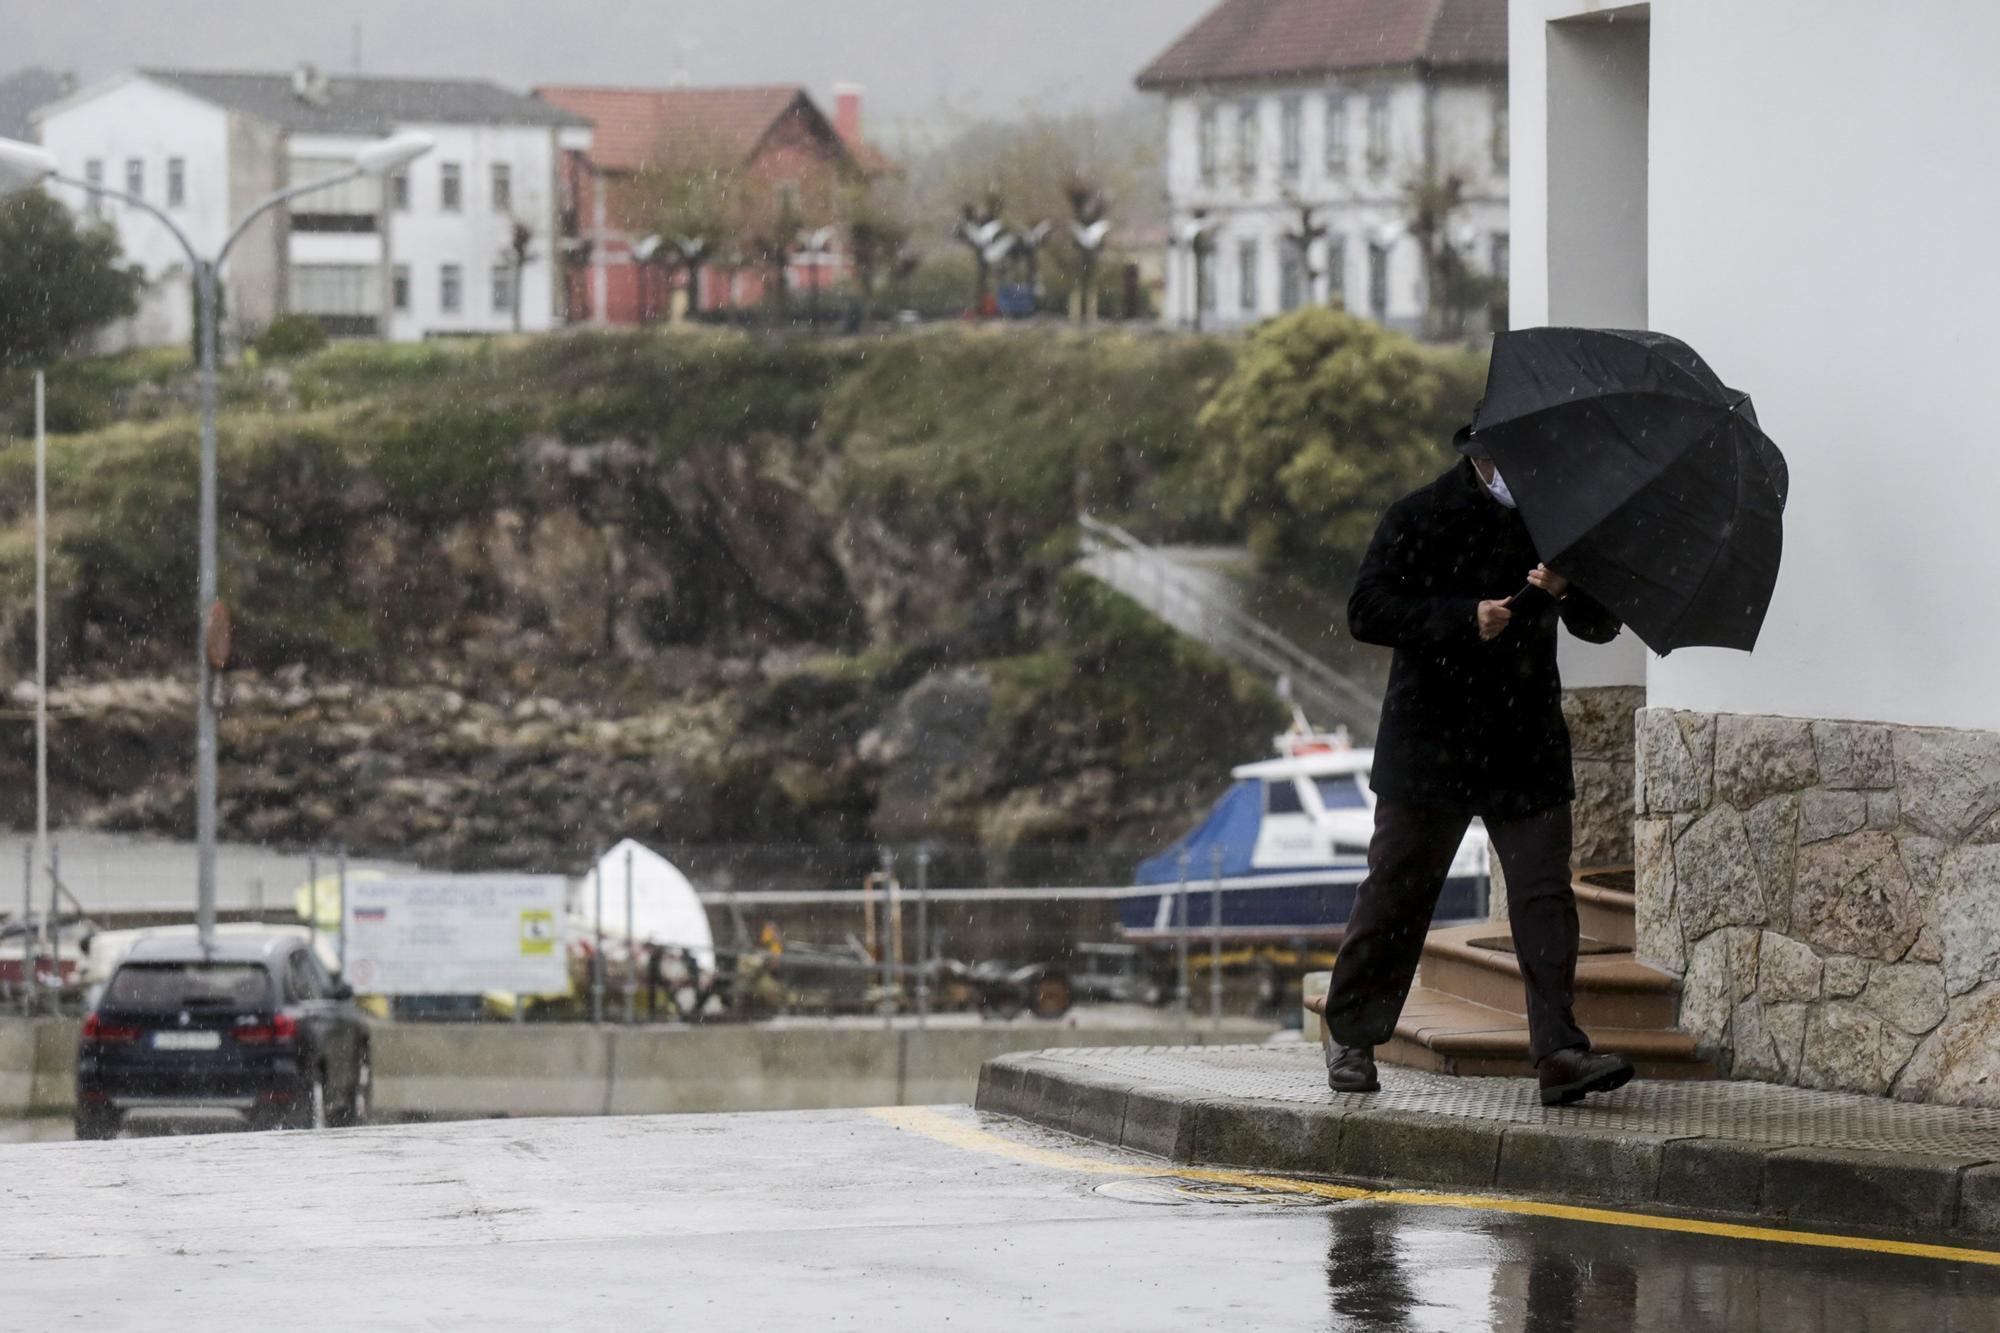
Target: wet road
x: 907, y: 1219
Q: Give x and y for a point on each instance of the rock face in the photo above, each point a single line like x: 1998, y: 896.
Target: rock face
x: 1600, y: 720
x: 1830, y: 892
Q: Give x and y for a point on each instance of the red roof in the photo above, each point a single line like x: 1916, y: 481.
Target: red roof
x: 634, y: 123
x: 1261, y: 39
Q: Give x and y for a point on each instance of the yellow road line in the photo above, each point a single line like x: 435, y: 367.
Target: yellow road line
x: 957, y: 1134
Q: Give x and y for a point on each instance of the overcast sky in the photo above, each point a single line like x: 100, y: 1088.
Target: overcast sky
x: 923, y: 61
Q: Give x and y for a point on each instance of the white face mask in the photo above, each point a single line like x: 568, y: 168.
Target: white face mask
x: 1497, y: 488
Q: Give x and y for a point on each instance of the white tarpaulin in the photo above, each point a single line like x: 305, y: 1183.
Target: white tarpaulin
x: 666, y: 910
x: 457, y: 934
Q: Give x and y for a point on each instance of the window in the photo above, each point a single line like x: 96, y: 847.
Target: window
x: 788, y: 196
x: 1336, y: 268
x: 1378, y: 131
x: 176, y: 182
x: 399, y: 191
x: 135, y: 177
x: 1500, y: 132
x: 1246, y: 277
x: 1207, y: 135
x: 1378, y: 282
x: 1249, y: 142
x: 351, y: 290
x: 503, y: 289
x: 503, y: 188
x: 93, y: 172
x: 451, y: 288
x: 449, y: 189
x: 1342, y: 793
x: 1281, y: 797
x: 1336, y: 134
x: 399, y: 287
x: 351, y: 206
x: 1291, y: 279
x: 1497, y: 264
x: 189, y: 986
x: 1293, y: 132
x: 301, y: 985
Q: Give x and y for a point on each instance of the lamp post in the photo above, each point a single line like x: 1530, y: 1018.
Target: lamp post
x: 376, y: 159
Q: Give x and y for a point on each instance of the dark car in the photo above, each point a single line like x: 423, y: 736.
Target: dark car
x: 254, y: 1024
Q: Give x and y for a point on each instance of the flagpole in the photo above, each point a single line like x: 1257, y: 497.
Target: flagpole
x: 42, y: 633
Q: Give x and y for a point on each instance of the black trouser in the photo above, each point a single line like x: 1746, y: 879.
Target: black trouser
x: 1408, y: 859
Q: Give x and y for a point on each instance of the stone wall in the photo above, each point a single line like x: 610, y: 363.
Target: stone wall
x: 1830, y: 894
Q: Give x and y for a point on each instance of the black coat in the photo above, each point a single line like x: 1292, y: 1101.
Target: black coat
x: 1468, y: 725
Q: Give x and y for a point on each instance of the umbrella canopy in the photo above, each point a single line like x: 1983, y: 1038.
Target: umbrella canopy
x: 1642, y: 478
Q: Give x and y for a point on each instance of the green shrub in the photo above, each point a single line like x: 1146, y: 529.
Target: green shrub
x: 291, y: 336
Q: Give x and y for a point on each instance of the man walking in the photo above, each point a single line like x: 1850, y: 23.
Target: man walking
x: 1472, y: 725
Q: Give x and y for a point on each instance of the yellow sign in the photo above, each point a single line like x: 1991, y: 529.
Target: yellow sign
x: 538, y: 932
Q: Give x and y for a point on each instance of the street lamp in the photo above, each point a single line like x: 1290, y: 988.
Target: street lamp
x: 376, y: 159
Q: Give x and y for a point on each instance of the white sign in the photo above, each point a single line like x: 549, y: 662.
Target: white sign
x: 457, y: 934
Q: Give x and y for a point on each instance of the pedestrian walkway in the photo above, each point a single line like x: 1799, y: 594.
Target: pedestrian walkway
x: 1716, y: 1147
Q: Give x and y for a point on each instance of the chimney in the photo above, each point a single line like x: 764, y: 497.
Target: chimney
x: 847, y: 112
x: 309, y: 84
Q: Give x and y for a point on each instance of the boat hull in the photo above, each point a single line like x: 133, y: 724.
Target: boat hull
x: 1295, y: 905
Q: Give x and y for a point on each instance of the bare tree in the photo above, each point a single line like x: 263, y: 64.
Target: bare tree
x: 1089, y: 228
x: 1430, y: 202
x: 878, y: 239
x: 519, y: 253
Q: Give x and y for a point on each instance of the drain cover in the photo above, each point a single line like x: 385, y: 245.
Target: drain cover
x: 1176, y: 1190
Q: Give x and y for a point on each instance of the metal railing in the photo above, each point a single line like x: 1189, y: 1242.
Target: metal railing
x: 1177, y: 596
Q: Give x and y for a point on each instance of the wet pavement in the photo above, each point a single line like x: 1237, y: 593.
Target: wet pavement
x: 898, y: 1219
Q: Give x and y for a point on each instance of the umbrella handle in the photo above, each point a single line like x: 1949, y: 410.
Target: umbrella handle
x: 1528, y: 599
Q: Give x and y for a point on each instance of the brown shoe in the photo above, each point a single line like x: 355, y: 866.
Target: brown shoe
x: 1569, y: 1076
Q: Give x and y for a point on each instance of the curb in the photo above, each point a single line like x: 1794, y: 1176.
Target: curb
x: 1901, y: 1193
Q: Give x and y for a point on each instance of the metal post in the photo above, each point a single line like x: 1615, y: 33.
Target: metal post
x: 40, y: 851
x: 312, y: 902
x: 597, y: 958
x: 256, y: 895
x: 631, y: 948
x: 27, y: 929
x: 1215, y: 942
x: 881, y: 942
x: 1182, y: 996
x: 342, y: 881
x: 55, y: 930
x: 204, y: 741
x: 923, y: 936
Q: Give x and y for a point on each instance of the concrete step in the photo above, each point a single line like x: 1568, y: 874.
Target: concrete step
x: 1613, y: 989
x: 1605, y: 905
x: 1450, y: 1035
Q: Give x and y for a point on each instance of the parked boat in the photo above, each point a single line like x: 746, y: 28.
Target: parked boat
x: 1285, y: 850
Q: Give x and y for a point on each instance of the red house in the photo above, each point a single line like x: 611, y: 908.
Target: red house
x: 777, y: 135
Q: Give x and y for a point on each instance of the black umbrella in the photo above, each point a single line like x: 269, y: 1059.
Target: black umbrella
x: 1642, y: 477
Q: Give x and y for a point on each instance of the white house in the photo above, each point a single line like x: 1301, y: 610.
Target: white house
x: 1818, y: 832
x: 428, y: 252
x: 1288, y: 116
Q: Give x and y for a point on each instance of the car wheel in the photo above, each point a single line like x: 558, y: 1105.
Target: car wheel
x: 95, y: 1125
x: 311, y: 1112
x: 1050, y: 997
x: 360, y: 1103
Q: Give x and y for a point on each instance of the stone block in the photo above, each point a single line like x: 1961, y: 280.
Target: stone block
x: 1759, y: 757
x: 1926, y: 948
x: 1949, y: 781
x: 1848, y: 1049
x: 1787, y: 970
x: 1853, y: 896
x: 1979, y: 1201
x: 1828, y: 814
x: 1967, y: 908
x: 1656, y: 923
x: 1959, y: 1062
x: 1268, y: 1136
x: 1001, y: 1084
x: 1907, y: 996
x: 1758, y: 1048
x: 1578, y: 1163
x: 1708, y: 990
x: 1845, y: 976
x: 1885, y: 811
x: 1602, y: 812
x: 1713, y: 1175
x: 1099, y: 1112
x: 1716, y: 881
x: 1785, y: 1025
x: 1843, y: 1187
x: 1416, y: 1148
x: 1600, y: 719
x: 1923, y: 862
x: 1987, y: 833
x: 1676, y: 760
x: 1854, y: 754
x: 1158, y: 1121
x: 1773, y: 829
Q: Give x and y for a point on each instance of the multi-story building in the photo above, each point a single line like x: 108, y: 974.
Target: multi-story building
x: 463, y: 240
x: 776, y: 137
x: 1343, y: 150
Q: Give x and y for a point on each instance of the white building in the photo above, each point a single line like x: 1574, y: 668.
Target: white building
x: 1274, y: 106
x: 1818, y: 833
x: 428, y: 252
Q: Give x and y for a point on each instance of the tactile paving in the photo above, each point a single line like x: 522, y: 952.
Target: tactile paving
x: 1763, y: 1113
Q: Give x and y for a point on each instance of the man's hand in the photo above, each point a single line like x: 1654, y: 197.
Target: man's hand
x: 1550, y: 582
x: 1493, y: 618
